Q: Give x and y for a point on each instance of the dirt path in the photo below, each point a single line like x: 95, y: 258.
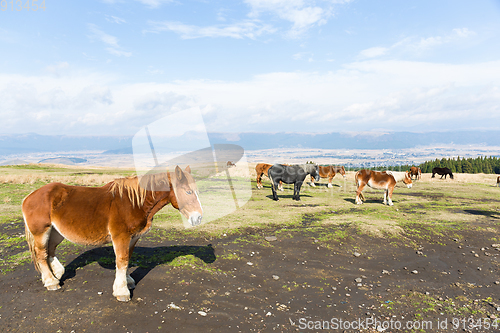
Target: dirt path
x: 245, y: 283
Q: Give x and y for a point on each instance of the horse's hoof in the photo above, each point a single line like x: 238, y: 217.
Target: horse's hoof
x: 123, y: 298
x: 53, y: 287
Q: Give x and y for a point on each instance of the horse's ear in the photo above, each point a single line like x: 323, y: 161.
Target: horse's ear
x: 188, y: 169
x: 178, y: 173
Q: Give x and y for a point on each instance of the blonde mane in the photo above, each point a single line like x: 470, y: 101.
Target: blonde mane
x: 136, y: 190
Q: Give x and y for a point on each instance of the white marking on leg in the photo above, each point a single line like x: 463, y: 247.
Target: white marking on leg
x: 120, y: 288
x: 57, y: 267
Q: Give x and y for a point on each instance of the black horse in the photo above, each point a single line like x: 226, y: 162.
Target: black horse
x: 291, y: 174
x: 442, y: 172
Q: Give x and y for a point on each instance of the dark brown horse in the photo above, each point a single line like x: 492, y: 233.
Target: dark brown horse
x: 442, y: 171
x: 498, y: 181
x: 415, y: 171
x: 262, y: 169
x: 119, y: 212
x: 382, y: 180
x: 329, y: 172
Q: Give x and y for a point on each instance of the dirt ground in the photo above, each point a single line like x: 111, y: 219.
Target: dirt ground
x: 247, y: 283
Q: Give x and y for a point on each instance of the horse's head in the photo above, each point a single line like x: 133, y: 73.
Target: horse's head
x: 186, y: 193
x: 407, y: 179
x: 315, y: 172
x: 342, y: 171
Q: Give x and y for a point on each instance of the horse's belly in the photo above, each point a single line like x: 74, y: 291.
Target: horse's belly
x: 376, y: 185
x: 81, y: 233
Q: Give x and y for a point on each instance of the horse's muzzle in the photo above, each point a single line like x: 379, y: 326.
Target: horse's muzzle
x: 195, y: 219
x: 409, y: 185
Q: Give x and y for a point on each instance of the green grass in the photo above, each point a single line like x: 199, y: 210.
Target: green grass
x: 430, y: 211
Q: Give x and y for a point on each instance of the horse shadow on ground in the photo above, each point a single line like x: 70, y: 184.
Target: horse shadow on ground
x: 144, y: 259
x: 324, y: 185
x: 491, y: 214
x: 288, y: 196
x: 379, y: 201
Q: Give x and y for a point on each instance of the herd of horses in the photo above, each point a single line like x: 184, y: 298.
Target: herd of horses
x: 121, y: 211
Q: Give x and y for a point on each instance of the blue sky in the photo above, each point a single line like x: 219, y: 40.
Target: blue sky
x: 110, y: 67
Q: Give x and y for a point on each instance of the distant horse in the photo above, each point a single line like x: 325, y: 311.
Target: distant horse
x: 230, y: 164
x: 262, y: 169
x: 329, y: 171
x: 291, y: 174
x: 385, y: 180
x: 498, y: 181
x: 119, y: 212
x: 442, y: 171
x: 415, y: 171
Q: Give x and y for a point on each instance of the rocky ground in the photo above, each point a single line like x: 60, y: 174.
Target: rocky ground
x: 270, y: 280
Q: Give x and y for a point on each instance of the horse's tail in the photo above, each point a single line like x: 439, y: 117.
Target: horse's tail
x: 30, y: 239
x: 31, y: 244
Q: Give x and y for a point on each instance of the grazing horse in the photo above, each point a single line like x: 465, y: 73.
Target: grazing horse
x: 329, y: 171
x: 415, y: 171
x: 262, y: 169
x: 291, y: 174
x: 442, y: 171
x: 230, y: 164
x: 382, y: 180
x: 119, y: 212
x: 498, y: 181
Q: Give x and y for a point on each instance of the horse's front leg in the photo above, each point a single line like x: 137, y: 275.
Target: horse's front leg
x: 121, y: 246
x: 273, y: 188
x: 130, y: 280
x: 296, y: 190
x: 312, y: 182
x: 330, y: 181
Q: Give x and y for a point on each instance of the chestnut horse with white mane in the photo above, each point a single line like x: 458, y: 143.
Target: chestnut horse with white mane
x: 382, y: 180
x: 329, y: 171
x: 119, y: 212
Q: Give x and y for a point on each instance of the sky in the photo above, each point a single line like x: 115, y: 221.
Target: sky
x: 111, y: 67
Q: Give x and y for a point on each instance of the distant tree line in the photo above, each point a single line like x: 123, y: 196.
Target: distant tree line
x: 464, y: 165
x: 488, y: 165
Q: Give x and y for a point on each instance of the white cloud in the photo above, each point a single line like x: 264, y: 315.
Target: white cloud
x: 114, y: 19
x: 244, y: 29
x: 362, y: 96
x: 114, y: 48
x: 418, y: 46
x: 301, y: 13
x: 154, y: 3
x: 373, y: 52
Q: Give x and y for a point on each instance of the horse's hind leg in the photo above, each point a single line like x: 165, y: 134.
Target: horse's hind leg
x: 41, y: 255
x: 259, y: 180
x: 55, y: 239
x: 361, y: 186
x: 389, y: 196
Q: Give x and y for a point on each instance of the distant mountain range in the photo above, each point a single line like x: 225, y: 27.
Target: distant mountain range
x: 32, y: 143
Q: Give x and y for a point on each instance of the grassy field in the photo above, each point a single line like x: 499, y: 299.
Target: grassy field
x: 433, y: 204
x: 321, y: 232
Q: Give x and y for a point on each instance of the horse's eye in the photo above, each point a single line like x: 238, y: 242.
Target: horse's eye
x: 189, y: 192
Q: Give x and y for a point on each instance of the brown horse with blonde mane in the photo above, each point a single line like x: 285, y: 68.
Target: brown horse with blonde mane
x: 262, y: 169
x: 382, y: 180
x: 329, y: 171
x: 119, y: 212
